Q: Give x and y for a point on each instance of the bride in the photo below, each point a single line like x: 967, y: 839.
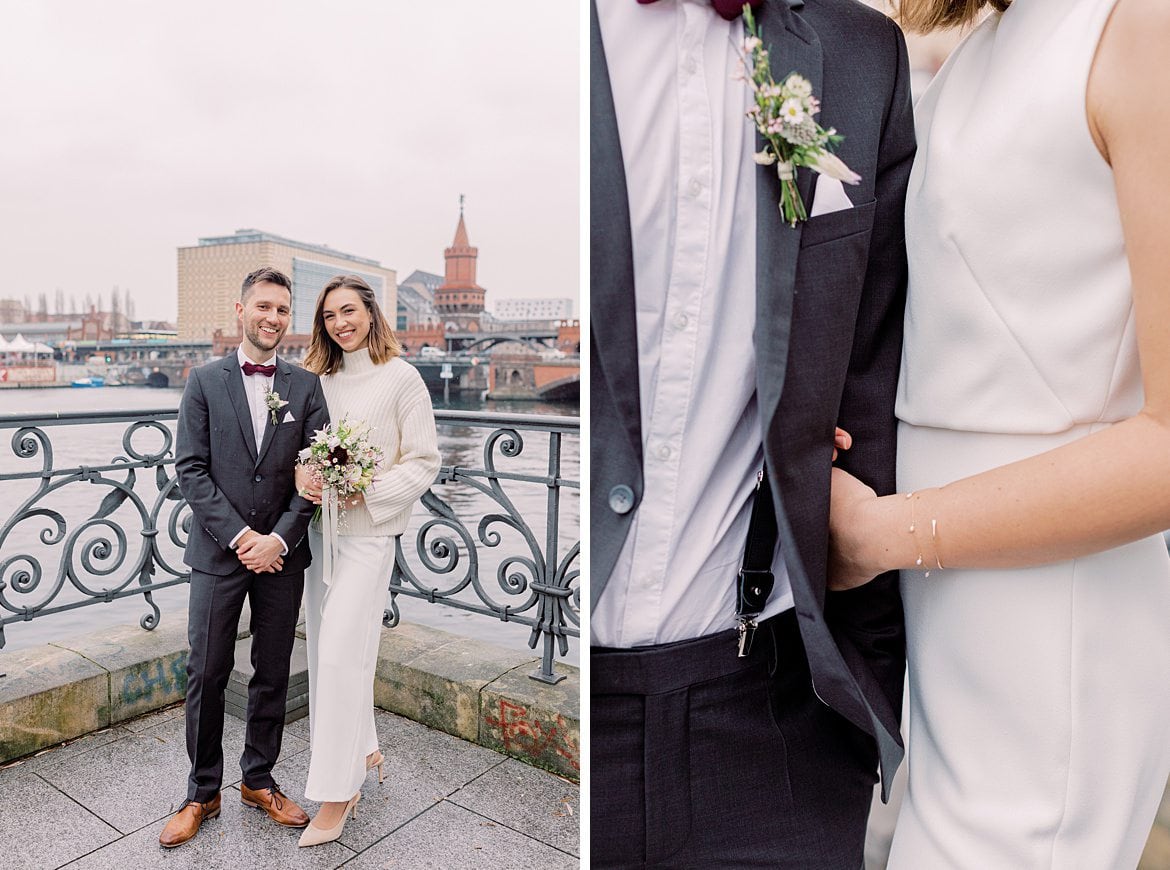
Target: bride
x: 363, y: 377
x: 1034, y: 441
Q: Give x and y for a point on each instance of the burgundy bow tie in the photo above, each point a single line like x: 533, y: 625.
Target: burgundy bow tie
x: 253, y: 369
x: 728, y: 9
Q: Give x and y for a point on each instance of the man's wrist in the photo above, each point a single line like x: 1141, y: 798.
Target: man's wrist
x: 239, y: 535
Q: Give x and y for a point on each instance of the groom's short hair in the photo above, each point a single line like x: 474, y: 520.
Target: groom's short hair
x: 265, y: 274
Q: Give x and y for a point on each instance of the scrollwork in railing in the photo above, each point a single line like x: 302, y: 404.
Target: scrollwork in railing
x: 531, y: 587
x: 98, y: 561
x: 58, y: 552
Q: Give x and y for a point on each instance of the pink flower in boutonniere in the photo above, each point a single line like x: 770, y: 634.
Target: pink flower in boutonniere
x: 783, y: 114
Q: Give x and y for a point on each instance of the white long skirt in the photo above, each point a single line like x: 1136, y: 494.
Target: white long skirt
x: 343, y: 623
x: 1039, y: 716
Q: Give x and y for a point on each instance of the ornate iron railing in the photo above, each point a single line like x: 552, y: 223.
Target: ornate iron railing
x: 88, y: 554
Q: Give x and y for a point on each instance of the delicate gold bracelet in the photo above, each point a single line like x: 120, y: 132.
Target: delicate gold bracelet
x: 934, y: 543
x: 920, y: 561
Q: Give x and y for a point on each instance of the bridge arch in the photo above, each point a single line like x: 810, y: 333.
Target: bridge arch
x: 489, y: 341
x: 561, y: 389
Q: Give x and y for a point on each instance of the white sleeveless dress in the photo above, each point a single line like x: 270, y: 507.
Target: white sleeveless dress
x: 1039, y: 699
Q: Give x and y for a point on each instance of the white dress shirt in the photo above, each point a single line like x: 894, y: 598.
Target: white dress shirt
x: 687, y: 149
x: 255, y: 387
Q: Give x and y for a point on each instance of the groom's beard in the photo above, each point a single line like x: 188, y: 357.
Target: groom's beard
x: 263, y: 340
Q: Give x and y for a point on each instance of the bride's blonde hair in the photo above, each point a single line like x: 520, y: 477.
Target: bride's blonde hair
x: 927, y: 15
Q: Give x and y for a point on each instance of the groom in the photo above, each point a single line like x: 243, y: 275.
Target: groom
x: 242, y: 421
x: 728, y: 341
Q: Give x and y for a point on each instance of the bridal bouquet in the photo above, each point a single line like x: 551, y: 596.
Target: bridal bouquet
x: 783, y: 114
x: 342, y: 455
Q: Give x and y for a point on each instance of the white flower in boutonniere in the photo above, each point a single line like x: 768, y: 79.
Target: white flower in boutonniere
x: 274, y: 403
x: 783, y: 114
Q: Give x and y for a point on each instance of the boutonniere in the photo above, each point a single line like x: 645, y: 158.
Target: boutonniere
x: 274, y: 402
x: 783, y: 113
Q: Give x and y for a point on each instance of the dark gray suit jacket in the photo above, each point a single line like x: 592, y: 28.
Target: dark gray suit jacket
x: 829, y: 301
x: 229, y: 481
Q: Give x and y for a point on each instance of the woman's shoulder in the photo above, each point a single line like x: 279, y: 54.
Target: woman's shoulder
x: 398, y: 371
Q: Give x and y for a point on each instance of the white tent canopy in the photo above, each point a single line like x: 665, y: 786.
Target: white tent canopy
x: 20, y: 344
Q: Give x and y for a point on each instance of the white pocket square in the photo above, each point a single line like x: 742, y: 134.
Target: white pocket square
x: 829, y: 197
x: 288, y: 417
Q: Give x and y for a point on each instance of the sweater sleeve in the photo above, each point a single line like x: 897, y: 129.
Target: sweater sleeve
x: 398, y: 487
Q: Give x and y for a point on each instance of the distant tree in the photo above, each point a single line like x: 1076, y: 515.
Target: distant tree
x: 115, y: 302
x: 73, y: 303
x: 59, y: 301
x: 88, y: 304
x: 129, y: 307
x: 43, y: 305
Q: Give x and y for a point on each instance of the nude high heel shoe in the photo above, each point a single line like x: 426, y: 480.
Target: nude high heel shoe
x: 376, y: 759
x: 314, y: 836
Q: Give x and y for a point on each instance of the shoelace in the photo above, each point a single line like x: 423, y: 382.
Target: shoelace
x: 277, y: 797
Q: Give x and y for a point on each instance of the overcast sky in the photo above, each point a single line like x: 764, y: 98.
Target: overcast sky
x: 129, y: 128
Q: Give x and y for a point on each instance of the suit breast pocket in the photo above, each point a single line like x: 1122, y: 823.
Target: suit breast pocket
x: 288, y: 429
x: 830, y: 275
x: 835, y: 225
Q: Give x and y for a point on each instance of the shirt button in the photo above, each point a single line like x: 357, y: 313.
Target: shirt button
x: 621, y: 499
x: 664, y: 451
x: 695, y: 187
x: 690, y: 65
x: 680, y: 320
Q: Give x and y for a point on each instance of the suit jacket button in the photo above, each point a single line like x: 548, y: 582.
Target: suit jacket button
x: 258, y: 478
x: 252, y: 513
x: 621, y: 499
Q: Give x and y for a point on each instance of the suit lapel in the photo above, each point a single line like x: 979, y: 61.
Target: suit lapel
x: 234, y: 381
x: 611, y: 262
x: 280, y: 385
x: 792, y: 47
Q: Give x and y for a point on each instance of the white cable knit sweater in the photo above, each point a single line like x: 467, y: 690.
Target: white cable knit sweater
x: 394, y: 401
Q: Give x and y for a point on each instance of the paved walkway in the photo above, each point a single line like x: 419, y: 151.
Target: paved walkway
x: 1157, y: 853
x: 101, y: 801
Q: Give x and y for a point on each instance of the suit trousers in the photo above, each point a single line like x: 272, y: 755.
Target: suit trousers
x: 700, y: 758
x: 343, y: 629
x: 212, y: 626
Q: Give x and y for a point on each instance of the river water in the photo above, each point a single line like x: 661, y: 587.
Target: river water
x: 99, y: 443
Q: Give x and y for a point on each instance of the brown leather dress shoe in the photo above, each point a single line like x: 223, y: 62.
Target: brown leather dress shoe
x: 280, y: 808
x: 185, y: 823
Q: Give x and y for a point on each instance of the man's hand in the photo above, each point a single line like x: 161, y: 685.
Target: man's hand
x: 260, y: 553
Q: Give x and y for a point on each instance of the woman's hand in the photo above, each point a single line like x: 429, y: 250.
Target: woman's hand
x: 854, y: 532
x: 842, y: 440
x: 309, y: 484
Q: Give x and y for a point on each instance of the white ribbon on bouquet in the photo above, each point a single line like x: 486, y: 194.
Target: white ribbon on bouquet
x: 330, y: 516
